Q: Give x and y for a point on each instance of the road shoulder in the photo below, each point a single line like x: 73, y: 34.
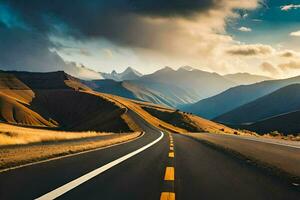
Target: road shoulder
x: 19, y: 156
x: 280, y: 160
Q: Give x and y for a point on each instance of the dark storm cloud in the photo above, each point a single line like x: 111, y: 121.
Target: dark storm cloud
x: 115, y: 20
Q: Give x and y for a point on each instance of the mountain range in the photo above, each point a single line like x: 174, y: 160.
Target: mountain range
x: 236, y: 96
x: 56, y: 100
x: 43, y: 99
x: 171, y: 87
x: 128, y: 74
x: 281, y: 101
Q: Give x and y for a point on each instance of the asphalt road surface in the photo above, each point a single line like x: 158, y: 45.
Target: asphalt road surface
x: 155, y: 166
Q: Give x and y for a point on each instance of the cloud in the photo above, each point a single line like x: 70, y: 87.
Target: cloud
x: 296, y: 33
x: 81, y: 71
x: 250, y: 50
x: 120, y: 20
x: 289, y: 7
x: 293, y: 64
x: 245, y: 29
x: 268, y: 67
x: 288, y: 54
x: 151, y: 30
x: 108, y: 53
x: 24, y: 50
x: 84, y: 52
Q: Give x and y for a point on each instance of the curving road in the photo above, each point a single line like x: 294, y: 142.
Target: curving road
x: 166, y: 166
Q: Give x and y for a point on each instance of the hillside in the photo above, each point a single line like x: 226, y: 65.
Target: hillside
x: 187, y: 121
x: 57, y: 99
x: 111, y: 87
x: 237, y: 96
x: 281, y: 101
x: 288, y: 123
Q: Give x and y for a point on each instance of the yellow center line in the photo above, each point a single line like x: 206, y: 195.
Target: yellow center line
x: 167, y: 196
x: 169, y: 174
x: 171, y: 155
x: 171, y: 145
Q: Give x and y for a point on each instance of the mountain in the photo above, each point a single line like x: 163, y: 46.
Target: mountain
x: 287, y: 123
x: 237, y: 96
x: 60, y: 101
x: 281, y: 101
x: 246, y: 78
x: 110, y: 86
x: 169, y: 87
x: 128, y: 74
x: 56, y: 99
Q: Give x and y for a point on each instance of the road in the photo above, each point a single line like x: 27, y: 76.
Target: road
x: 272, y: 152
x: 174, y: 165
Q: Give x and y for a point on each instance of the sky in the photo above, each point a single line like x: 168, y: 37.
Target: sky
x: 223, y: 36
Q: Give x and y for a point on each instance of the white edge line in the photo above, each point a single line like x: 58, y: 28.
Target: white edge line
x: 71, y: 155
x: 269, y: 142
x: 71, y: 185
x: 258, y: 140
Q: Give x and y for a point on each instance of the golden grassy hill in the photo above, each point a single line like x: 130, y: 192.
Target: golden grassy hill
x: 58, y: 99
x: 186, y: 121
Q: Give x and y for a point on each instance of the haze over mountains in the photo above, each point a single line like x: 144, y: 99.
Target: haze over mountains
x: 281, y: 101
x: 31, y: 98
x: 60, y: 101
x: 170, y: 87
x: 128, y: 74
x: 237, y: 96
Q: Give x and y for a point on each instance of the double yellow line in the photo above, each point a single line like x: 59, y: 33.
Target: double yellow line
x: 170, y: 173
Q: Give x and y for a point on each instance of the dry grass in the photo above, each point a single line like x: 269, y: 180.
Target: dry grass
x: 15, y: 135
x: 137, y: 108
x: 16, y: 156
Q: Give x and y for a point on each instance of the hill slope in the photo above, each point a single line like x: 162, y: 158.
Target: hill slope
x: 281, y: 101
x: 234, y: 97
x: 57, y: 99
x: 288, y: 123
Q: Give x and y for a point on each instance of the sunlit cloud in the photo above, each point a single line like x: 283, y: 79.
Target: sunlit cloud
x: 289, y: 7
x: 296, y: 33
x: 245, y: 29
x: 293, y: 64
x: 269, y: 68
x: 251, y: 50
x: 288, y: 54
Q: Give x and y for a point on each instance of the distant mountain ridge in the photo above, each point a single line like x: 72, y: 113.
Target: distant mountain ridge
x: 283, y: 100
x: 128, y: 74
x: 236, y: 96
x: 287, y: 123
x: 171, y: 87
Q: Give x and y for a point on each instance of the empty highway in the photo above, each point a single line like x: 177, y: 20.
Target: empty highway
x: 158, y: 165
